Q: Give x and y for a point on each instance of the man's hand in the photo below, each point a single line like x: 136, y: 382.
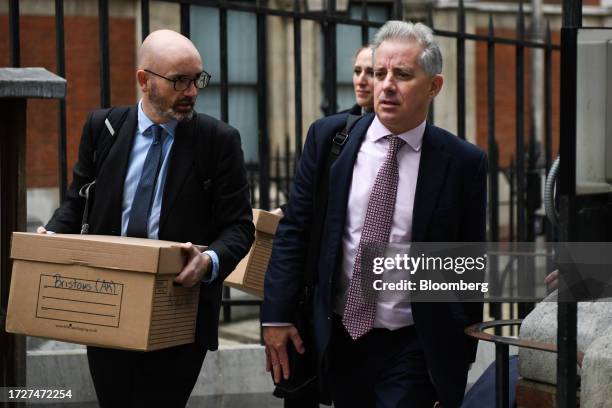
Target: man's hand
x: 41, y: 230
x: 552, y: 280
x: 198, y: 265
x: 276, y: 338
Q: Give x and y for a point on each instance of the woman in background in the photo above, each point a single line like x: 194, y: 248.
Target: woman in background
x: 363, y: 76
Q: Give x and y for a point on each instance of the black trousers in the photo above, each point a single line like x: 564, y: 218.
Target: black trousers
x: 383, y: 368
x: 162, y: 378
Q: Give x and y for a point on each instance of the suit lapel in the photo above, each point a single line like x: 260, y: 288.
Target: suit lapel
x: 341, y: 172
x: 432, y: 173
x: 180, y: 165
x: 110, y: 181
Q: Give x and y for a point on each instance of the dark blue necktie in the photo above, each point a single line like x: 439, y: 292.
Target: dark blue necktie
x: 143, y: 199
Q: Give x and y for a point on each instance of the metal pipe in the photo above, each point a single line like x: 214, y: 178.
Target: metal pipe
x: 567, y: 311
x: 186, y: 20
x: 329, y: 34
x: 144, y: 19
x: 105, y: 99
x: 223, y: 65
x: 537, y: 70
x: 262, y: 110
x: 14, y: 37
x: 548, y: 118
x: 520, y: 129
x: 60, y: 58
x: 461, y: 71
x: 492, y: 143
x: 501, y: 375
x: 297, y: 83
x: 277, y: 176
x: 398, y: 11
x: 365, y: 35
x: 494, y: 308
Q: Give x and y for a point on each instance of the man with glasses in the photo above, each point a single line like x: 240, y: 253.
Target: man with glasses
x: 163, y: 171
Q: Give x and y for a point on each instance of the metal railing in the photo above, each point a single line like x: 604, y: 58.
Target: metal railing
x: 271, y: 175
x: 502, y: 353
x: 524, y: 166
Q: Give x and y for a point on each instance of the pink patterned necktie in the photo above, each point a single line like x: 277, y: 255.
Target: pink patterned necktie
x: 360, y: 307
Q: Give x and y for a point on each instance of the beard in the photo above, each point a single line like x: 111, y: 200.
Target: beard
x: 169, y: 109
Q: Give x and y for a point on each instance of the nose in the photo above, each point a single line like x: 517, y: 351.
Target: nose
x: 388, y: 83
x: 362, y: 78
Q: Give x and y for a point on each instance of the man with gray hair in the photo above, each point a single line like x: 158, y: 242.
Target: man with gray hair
x: 396, y: 179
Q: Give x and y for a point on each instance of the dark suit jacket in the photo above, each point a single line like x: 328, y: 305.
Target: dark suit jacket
x: 205, y: 198
x: 449, y: 206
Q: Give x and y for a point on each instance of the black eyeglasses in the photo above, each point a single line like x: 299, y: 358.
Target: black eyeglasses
x: 181, y: 83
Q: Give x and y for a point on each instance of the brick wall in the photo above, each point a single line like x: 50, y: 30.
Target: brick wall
x: 82, y: 72
x: 505, y: 96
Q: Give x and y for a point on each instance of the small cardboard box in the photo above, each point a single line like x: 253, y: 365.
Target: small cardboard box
x: 250, y: 273
x: 106, y: 291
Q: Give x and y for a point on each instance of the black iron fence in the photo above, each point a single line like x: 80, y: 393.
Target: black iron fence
x: 271, y: 174
x: 268, y: 183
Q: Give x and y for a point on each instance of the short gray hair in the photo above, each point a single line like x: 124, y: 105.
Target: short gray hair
x: 431, y: 57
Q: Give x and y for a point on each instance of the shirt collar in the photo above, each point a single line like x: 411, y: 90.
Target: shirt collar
x: 145, y: 123
x: 413, y: 137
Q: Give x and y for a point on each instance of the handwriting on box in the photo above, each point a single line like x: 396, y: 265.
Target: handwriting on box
x: 95, y: 302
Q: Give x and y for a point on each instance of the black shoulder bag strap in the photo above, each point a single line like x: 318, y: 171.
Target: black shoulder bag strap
x: 109, y: 126
x: 320, y: 208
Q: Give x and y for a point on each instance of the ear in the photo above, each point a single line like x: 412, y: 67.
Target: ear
x: 436, y: 85
x: 143, y: 79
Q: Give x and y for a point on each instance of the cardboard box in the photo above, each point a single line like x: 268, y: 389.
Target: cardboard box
x: 250, y: 273
x: 104, y: 291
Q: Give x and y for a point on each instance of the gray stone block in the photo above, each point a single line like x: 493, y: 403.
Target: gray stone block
x: 31, y: 83
x: 596, y: 388
x: 61, y: 369
x: 232, y: 370
x: 594, y: 320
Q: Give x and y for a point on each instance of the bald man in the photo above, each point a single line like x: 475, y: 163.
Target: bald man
x: 163, y: 171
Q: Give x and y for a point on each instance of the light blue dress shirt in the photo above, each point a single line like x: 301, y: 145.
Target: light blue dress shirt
x: 142, y: 141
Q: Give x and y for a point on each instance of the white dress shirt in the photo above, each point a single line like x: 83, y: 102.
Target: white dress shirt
x: 395, y: 311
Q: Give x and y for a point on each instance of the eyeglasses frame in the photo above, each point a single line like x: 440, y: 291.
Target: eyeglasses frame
x: 207, y: 77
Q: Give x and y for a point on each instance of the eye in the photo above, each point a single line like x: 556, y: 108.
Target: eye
x: 379, y: 74
x: 404, y: 75
x: 183, y: 81
x: 369, y: 72
x: 357, y: 71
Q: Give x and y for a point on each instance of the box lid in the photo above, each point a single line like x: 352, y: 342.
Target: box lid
x: 265, y: 221
x: 101, y: 251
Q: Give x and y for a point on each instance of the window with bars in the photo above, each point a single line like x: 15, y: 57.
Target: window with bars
x: 242, y: 70
x: 348, y: 39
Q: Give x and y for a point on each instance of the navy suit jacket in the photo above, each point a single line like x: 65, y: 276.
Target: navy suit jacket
x: 449, y: 206
x: 205, y: 198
